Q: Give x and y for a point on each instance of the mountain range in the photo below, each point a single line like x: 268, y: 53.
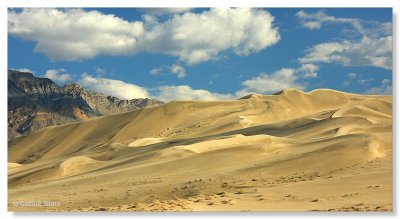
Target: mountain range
x: 35, y: 103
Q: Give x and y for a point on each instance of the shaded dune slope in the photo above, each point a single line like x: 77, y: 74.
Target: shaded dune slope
x: 279, y: 135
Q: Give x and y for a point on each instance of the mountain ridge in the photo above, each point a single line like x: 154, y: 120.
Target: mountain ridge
x: 35, y: 103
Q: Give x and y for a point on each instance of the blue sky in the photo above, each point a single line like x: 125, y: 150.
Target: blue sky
x: 205, y: 53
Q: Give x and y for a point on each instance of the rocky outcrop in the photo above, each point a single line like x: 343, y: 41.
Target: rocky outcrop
x: 105, y: 105
x: 35, y: 103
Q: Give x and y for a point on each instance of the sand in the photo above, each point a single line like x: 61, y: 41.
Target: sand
x: 144, y: 142
x: 293, y: 151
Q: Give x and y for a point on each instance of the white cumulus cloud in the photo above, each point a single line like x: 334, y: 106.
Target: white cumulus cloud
x: 156, y: 71
x: 366, y: 52
x: 75, y: 34
x: 315, y: 20
x: 263, y: 84
x: 178, y: 70
x: 309, y: 70
x: 312, y: 25
x: 112, y: 87
x: 185, y: 92
x: 60, y: 76
x: 373, y: 48
x: 200, y: 37
x: 270, y: 83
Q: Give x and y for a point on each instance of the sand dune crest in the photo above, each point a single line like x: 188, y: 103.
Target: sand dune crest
x: 75, y: 165
x: 321, y: 150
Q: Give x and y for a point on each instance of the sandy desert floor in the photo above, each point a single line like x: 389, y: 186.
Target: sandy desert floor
x: 293, y: 151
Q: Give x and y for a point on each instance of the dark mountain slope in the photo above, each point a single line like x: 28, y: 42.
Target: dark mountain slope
x: 35, y: 103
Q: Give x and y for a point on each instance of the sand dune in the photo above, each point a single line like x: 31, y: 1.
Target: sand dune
x: 75, y: 165
x: 144, y: 142
x: 13, y: 165
x: 323, y: 150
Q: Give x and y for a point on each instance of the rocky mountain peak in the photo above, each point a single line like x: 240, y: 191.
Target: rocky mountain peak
x: 27, y: 82
x: 35, y: 103
x: 74, y: 90
x: 14, y: 75
x: 73, y: 87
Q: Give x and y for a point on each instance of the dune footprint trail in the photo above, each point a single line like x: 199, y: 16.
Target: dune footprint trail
x: 293, y: 151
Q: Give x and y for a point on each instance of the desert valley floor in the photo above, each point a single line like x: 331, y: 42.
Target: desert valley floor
x: 293, y: 151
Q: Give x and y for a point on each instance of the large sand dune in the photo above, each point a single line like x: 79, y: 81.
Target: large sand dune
x: 293, y: 151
